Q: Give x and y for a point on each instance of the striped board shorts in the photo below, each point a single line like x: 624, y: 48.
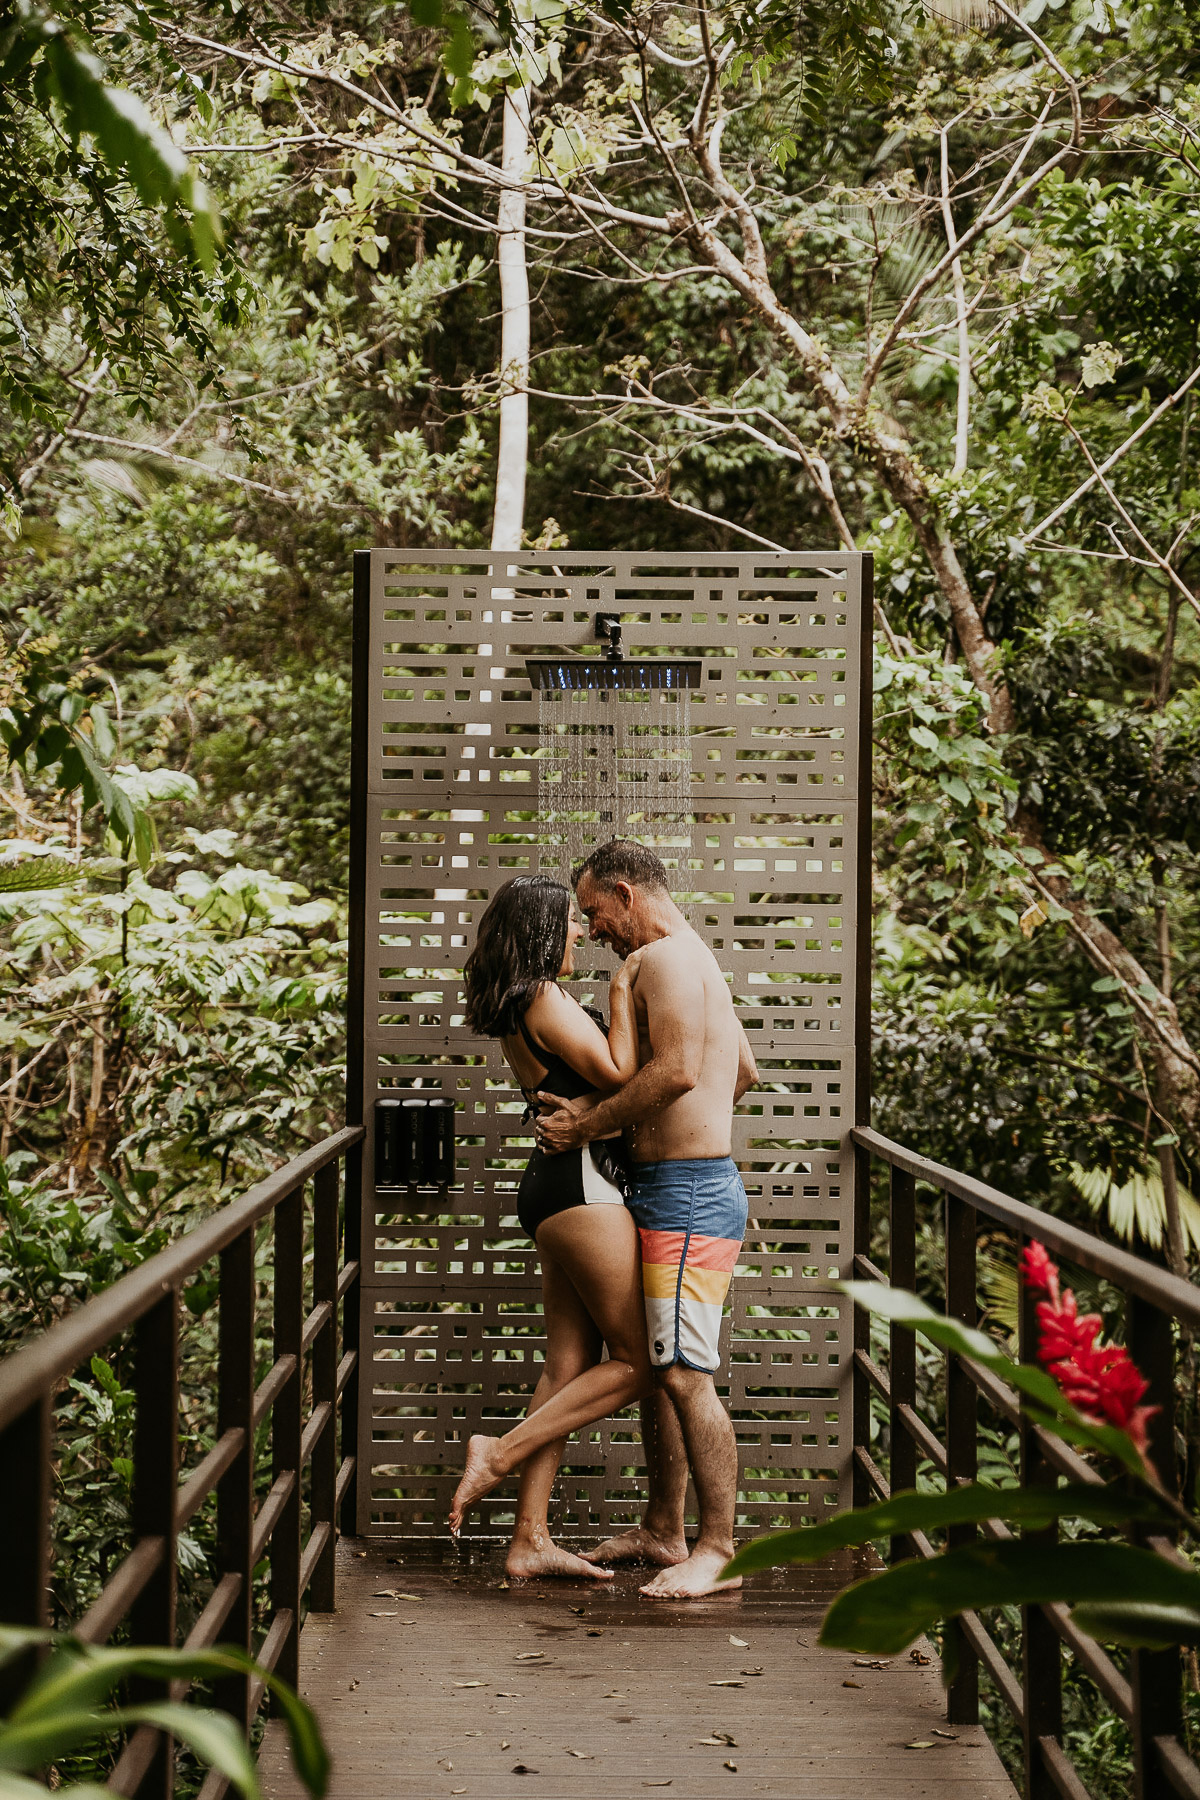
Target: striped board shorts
x: 691, y: 1218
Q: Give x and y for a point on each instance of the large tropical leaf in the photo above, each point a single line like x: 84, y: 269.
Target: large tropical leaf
x: 886, y: 1612
x: 910, y: 1511
x: 1049, y: 1405
x: 1136, y: 1208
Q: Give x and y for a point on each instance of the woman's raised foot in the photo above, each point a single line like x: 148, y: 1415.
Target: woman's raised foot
x: 531, y: 1558
x: 479, y: 1477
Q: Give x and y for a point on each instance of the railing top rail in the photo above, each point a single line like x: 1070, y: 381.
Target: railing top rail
x: 30, y: 1372
x: 1170, y: 1293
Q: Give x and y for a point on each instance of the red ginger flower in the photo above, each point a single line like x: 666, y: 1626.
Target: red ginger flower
x: 1100, y: 1380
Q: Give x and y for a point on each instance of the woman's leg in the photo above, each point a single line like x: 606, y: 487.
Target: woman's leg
x: 597, y: 1248
x: 572, y: 1345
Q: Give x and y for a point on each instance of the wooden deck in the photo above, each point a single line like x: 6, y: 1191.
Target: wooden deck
x: 551, y: 1689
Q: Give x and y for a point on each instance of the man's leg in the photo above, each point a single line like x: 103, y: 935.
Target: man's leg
x: 712, y: 1452
x: 659, y: 1538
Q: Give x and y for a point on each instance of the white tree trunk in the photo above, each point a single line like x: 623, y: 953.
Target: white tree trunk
x: 513, y: 454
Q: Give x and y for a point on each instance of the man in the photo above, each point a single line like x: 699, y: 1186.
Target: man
x: 688, y: 1201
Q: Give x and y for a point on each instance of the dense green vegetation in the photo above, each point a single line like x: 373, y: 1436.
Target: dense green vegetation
x: 749, y: 324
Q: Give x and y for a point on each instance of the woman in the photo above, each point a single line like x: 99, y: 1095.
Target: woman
x: 571, y: 1205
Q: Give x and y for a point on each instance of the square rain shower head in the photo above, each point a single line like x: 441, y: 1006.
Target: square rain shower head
x: 560, y: 673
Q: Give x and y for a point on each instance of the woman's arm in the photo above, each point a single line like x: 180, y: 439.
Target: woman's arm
x: 560, y: 1026
x: 622, y: 1020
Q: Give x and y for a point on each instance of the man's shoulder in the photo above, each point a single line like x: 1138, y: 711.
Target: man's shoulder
x: 673, y: 956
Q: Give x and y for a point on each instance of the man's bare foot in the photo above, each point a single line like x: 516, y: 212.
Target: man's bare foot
x: 639, y: 1546
x: 698, y: 1576
x: 531, y: 1558
x: 480, y: 1476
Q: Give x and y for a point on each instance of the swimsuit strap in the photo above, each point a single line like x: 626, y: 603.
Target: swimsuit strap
x: 524, y: 1030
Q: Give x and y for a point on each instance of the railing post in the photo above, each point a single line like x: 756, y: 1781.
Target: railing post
x: 962, y: 1425
x: 324, y: 1382
x: 902, y: 1356
x: 287, y: 1424
x: 352, y: 1245
x: 1040, y: 1650
x: 860, y: 1387
x: 1156, y: 1675
x: 24, y: 1533
x: 155, y: 1496
x: 235, y: 1490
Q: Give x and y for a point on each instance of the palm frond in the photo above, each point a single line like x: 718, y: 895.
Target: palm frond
x: 1136, y: 1208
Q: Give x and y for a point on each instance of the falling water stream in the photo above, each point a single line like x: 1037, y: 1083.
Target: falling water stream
x: 615, y: 763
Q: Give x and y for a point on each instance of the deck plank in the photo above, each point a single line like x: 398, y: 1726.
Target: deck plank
x: 403, y: 1724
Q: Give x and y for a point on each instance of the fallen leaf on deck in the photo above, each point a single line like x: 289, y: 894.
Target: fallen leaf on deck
x: 458, y: 1790
x: 656, y: 1784
x: 856, y: 1684
x: 577, y: 1610
x: 758, y: 1670
x: 523, y: 1769
x: 726, y: 1684
x: 872, y: 1662
x: 505, y: 1743
x: 595, y: 1631
x: 501, y: 1695
x: 381, y: 1615
x: 731, y: 1766
x: 582, y: 1755
x: 952, y: 1735
x: 468, y: 1684
x: 385, y: 1594
x: 530, y: 1656
x: 408, y: 1596
x: 472, y: 1734
x: 921, y: 1744
x: 721, y: 1739
x: 919, y: 1656
x: 504, y: 1586
x: 352, y: 1686
x: 615, y: 1695
x: 740, y: 1643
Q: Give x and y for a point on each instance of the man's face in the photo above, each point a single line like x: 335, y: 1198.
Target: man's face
x: 611, y: 914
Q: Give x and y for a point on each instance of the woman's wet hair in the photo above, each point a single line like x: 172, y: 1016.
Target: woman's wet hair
x: 520, y: 945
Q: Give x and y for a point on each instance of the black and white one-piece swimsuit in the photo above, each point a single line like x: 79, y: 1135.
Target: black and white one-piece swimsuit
x: 551, y: 1184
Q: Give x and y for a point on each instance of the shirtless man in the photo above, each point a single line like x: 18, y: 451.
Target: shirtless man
x: 688, y: 1201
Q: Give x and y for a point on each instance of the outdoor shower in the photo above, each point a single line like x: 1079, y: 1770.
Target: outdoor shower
x: 510, y: 714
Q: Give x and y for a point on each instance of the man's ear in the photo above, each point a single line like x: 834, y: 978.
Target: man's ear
x: 626, y: 891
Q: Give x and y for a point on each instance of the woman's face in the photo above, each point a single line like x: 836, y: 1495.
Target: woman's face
x: 574, y: 933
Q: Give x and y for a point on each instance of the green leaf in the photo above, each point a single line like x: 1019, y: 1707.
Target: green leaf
x: 212, y: 1735
x: 910, y: 1511
x: 128, y: 138
x: 1143, y: 1625
x: 885, y: 1613
x: 923, y: 737
x: 1054, y: 1411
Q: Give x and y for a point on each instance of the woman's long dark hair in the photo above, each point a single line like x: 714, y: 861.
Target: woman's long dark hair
x: 520, y: 945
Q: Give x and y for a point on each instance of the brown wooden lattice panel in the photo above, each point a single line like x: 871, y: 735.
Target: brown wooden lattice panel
x: 461, y: 796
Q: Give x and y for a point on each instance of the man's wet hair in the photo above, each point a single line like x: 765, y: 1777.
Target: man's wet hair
x: 621, y: 859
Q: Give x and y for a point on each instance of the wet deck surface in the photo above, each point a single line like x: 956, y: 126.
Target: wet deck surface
x: 456, y: 1685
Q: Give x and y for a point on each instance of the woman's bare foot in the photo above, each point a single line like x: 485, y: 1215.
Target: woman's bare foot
x: 537, y: 1554
x: 699, y: 1575
x: 639, y: 1546
x: 480, y: 1476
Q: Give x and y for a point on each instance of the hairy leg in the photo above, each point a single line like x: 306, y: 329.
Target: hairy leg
x: 572, y: 1345
x: 712, y: 1453
x: 597, y: 1249
x: 659, y: 1538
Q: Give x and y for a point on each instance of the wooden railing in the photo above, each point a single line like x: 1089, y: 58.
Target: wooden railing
x: 1149, y: 1695
x: 314, y: 1353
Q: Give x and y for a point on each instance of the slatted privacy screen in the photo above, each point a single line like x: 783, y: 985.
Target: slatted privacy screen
x: 471, y: 777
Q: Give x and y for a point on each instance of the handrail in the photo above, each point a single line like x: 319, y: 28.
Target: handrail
x: 1149, y: 1700
x: 68, y: 1343
x: 1130, y: 1273
x: 314, y: 1359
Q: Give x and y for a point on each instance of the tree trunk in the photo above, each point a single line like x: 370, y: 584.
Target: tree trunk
x: 512, y: 456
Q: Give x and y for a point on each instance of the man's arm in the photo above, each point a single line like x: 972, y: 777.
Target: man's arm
x: 747, y: 1075
x: 673, y: 994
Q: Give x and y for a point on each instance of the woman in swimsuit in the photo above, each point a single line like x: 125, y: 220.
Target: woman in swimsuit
x: 571, y: 1205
